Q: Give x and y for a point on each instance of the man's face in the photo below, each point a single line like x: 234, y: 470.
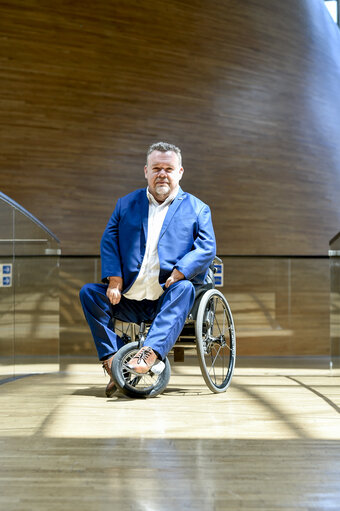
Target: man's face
x: 163, y: 173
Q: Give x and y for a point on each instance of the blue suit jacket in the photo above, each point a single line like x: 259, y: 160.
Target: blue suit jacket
x: 186, y: 242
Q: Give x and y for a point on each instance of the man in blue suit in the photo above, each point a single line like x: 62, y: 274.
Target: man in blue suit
x: 156, y: 248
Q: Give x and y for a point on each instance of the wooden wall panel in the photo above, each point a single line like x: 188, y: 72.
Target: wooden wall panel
x: 249, y: 90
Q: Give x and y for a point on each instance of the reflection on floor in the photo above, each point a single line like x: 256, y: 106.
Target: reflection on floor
x: 270, y: 442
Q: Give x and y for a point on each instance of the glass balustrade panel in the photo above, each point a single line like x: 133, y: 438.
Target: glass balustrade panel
x: 6, y: 292
x: 36, y: 298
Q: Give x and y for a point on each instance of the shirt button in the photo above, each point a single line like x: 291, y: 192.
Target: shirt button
x: 138, y: 266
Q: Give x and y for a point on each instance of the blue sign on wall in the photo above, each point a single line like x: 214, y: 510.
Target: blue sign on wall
x: 6, y: 275
x: 219, y: 274
x: 6, y: 281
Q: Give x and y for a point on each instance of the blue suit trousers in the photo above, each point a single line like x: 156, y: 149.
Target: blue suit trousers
x: 168, y: 315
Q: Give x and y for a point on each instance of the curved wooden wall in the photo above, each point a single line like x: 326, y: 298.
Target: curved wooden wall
x: 249, y: 90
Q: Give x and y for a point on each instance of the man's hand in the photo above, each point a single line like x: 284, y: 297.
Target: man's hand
x: 114, y: 289
x: 174, y: 277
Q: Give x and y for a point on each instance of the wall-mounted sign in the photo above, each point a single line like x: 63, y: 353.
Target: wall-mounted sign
x: 218, y: 274
x: 5, y: 275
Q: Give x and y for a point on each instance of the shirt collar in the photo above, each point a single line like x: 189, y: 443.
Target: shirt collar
x: 167, y: 201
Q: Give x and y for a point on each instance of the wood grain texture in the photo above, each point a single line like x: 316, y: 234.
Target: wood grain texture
x: 249, y: 90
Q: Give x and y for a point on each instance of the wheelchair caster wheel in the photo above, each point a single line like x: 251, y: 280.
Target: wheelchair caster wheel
x: 138, y: 385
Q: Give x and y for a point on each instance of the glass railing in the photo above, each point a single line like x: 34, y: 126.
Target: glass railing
x: 334, y: 256
x: 280, y: 306
x: 29, y: 293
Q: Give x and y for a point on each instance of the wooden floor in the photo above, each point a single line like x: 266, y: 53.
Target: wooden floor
x: 271, y: 442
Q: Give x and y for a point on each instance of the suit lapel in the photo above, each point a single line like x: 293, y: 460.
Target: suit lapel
x: 145, y: 215
x: 172, y: 210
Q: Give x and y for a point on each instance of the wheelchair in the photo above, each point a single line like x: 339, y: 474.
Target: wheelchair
x: 209, y: 328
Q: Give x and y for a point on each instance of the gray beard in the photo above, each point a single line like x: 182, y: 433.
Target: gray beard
x: 161, y: 193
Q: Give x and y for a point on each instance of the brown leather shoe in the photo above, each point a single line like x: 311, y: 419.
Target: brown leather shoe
x: 111, y: 386
x: 144, y: 360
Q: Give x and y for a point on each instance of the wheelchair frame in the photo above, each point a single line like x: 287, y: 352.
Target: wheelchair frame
x: 209, y: 327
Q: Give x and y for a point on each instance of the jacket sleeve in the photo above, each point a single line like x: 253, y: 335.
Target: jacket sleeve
x: 109, y: 247
x: 204, y: 248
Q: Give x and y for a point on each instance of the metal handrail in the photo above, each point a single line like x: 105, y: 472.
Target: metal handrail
x: 29, y: 215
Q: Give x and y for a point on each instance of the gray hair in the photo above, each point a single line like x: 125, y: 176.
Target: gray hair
x: 163, y: 147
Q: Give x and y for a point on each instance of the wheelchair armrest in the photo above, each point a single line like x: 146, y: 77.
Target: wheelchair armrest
x: 212, y: 264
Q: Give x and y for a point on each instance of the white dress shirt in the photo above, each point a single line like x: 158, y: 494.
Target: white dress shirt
x: 147, y: 286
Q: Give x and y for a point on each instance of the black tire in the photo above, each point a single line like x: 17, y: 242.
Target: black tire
x: 146, y: 385
x: 215, y: 340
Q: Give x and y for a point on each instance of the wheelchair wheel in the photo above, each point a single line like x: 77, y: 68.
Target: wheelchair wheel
x: 141, y: 386
x: 215, y: 340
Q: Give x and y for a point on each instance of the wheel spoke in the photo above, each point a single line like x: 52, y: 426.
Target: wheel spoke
x: 216, y: 322
x: 213, y: 362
